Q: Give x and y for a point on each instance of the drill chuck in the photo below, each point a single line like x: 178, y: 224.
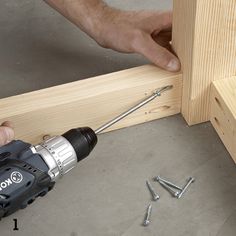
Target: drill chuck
x: 83, y: 140
x: 61, y: 153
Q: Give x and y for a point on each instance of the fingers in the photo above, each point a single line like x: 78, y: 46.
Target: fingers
x: 158, y: 55
x: 154, y: 44
x: 6, y: 133
x: 165, y: 20
x: 8, y: 124
x: 163, y: 38
x: 159, y: 21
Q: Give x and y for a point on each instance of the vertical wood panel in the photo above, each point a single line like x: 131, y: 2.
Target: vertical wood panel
x: 204, y: 37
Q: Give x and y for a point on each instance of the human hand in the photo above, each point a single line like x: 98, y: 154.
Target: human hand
x: 145, y: 32
x: 6, y: 133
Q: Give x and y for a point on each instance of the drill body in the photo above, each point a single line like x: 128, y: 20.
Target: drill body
x: 27, y: 172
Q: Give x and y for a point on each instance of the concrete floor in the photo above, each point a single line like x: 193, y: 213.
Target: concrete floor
x: 106, y: 193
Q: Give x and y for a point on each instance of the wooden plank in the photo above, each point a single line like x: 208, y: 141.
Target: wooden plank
x: 92, y: 102
x: 204, y: 37
x: 223, y: 112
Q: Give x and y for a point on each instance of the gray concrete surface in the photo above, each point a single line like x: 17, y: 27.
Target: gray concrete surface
x: 106, y: 193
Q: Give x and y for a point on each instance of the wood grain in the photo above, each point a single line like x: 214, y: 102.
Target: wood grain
x: 204, y: 37
x: 223, y: 112
x: 92, y: 102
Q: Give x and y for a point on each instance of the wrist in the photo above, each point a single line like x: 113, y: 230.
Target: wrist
x: 94, y: 17
x: 103, y: 24
x: 87, y: 15
x: 98, y: 21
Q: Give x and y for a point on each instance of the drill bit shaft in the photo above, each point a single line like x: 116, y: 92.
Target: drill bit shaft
x: 133, y: 109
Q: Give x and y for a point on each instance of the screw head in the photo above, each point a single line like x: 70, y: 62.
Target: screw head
x: 192, y: 179
x: 156, y: 197
x: 146, y: 222
x: 157, y: 178
x: 177, y: 194
x: 46, y: 137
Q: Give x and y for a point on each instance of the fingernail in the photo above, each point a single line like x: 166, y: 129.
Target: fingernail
x: 173, y: 65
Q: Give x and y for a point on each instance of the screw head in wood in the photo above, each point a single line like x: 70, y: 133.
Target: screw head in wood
x: 46, y: 137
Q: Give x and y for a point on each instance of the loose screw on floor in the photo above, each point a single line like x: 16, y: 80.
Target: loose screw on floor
x: 158, y: 178
x: 146, y: 221
x: 155, y: 196
x: 190, y: 181
x: 169, y: 186
x: 170, y: 190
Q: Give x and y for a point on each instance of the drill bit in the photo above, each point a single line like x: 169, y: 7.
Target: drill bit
x: 156, y: 94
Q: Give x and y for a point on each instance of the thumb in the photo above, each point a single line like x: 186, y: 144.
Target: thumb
x: 158, y: 55
x: 6, y: 135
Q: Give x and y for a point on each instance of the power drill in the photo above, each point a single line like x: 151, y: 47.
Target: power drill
x: 27, y: 172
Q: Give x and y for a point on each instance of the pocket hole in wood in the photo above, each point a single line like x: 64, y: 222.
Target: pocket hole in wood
x: 160, y: 109
x: 218, y: 123
x: 218, y: 102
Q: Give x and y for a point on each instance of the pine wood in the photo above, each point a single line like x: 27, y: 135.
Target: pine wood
x: 223, y: 112
x: 204, y: 37
x: 92, y: 102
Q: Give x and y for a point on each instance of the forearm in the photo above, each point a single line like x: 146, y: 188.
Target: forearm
x: 86, y: 14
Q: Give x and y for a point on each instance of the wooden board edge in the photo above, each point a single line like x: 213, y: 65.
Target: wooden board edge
x: 223, y: 112
x: 92, y: 102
